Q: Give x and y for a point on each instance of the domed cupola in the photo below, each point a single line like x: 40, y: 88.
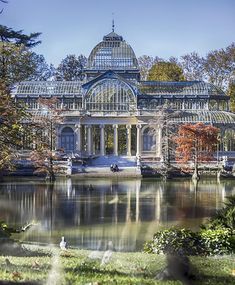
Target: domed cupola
x: 113, y: 53
x: 112, y: 37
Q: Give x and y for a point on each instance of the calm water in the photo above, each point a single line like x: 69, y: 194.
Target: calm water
x: 92, y: 212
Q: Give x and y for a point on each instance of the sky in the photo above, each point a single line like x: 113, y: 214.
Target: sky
x: 160, y: 28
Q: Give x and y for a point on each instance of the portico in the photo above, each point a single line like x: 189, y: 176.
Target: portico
x: 87, y: 133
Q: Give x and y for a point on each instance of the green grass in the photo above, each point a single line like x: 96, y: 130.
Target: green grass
x: 75, y: 267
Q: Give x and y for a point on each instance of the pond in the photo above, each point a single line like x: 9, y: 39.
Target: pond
x: 91, y: 213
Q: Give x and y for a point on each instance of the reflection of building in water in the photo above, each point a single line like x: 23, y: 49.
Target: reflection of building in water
x: 125, y: 212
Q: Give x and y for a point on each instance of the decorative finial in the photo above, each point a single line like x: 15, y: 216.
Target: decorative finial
x: 113, y: 26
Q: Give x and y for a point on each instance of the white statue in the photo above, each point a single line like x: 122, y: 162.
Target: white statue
x: 63, y: 244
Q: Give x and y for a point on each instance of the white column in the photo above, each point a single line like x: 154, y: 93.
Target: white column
x: 102, y: 145
x: 58, y: 138
x: 115, y: 138
x: 128, y: 140
x: 89, y: 146
x: 138, y: 140
x: 159, y: 142
x: 78, y: 137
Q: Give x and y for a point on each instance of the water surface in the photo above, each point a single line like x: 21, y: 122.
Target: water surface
x: 92, y: 212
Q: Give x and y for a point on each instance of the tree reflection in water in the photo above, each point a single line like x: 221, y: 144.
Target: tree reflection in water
x: 126, y: 212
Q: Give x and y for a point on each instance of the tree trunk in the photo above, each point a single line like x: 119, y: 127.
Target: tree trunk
x: 195, y: 173
x: 51, y: 173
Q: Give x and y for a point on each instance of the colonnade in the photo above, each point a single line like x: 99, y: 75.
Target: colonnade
x: 94, y: 139
x: 102, y: 151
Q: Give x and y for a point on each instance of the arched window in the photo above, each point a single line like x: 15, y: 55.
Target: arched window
x: 110, y: 95
x: 67, y: 139
x: 213, y: 105
x: 149, y: 140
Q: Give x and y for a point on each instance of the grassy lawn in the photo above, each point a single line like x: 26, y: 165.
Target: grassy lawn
x: 75, y: 267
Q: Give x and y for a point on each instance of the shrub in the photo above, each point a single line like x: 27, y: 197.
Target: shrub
x: 5, y: 231
x: 217, y: 236
x: 175, y: 241
x: 185, y: 242
x: 218, y: 241
x: 223, y: 218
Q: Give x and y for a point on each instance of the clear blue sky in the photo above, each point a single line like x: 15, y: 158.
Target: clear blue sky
x: 161, y: 28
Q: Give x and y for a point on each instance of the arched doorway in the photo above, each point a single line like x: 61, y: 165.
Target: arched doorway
x: 67, y: 139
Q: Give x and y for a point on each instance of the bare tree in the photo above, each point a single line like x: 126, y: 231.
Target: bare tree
x: 164, y: 120
x: 193, y: 66
x: 45, y: 122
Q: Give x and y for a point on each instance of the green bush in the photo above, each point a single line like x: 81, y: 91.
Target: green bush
x: 218, y: 241
x: 185, y: 242
x: 223, y: 218
x: 175, y: 241
x: 5, y: 231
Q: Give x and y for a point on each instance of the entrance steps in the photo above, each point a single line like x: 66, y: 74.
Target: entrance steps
x: 121, y: 161
x: 100, y: 167
x: 104, y: 171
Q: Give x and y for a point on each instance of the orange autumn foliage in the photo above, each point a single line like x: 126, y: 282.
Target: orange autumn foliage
x: 196, y: 142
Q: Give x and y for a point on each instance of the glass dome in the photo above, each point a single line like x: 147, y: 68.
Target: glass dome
x: 110, y: 95
x: 112, y: 53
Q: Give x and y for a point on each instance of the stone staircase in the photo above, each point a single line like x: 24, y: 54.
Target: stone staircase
x: 121, y: 161
x: 100, y: 167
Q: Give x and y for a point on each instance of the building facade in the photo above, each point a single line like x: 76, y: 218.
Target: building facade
x: 112, y: 112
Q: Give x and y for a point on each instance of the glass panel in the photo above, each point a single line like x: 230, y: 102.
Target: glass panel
x: 149, y: 141
x: 110, y: 95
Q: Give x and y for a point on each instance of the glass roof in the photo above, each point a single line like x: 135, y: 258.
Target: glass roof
x: 48, y: 88
x: 112, y: 53
x: 179, y: 88
x: 207, y: 117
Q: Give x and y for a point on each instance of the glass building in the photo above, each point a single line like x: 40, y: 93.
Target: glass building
x: 112, y: 112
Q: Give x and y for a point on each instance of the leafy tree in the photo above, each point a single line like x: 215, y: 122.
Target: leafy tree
x: 8, y: 35
x: 220, y: 65
x: 39, y: 68
x: 44, y: 123
x: 145, y: 64
x: 196, y: 142
x: 166, y: 71
x: 10, y: 128
x: 18, y: 63
x: 71, y: 67
x: 193, y: 66
x: 231, y: 93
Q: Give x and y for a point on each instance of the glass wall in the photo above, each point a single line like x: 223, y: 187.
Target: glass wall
x: 110, y: 95
x: 67, y: 139
x: 149, y: 140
